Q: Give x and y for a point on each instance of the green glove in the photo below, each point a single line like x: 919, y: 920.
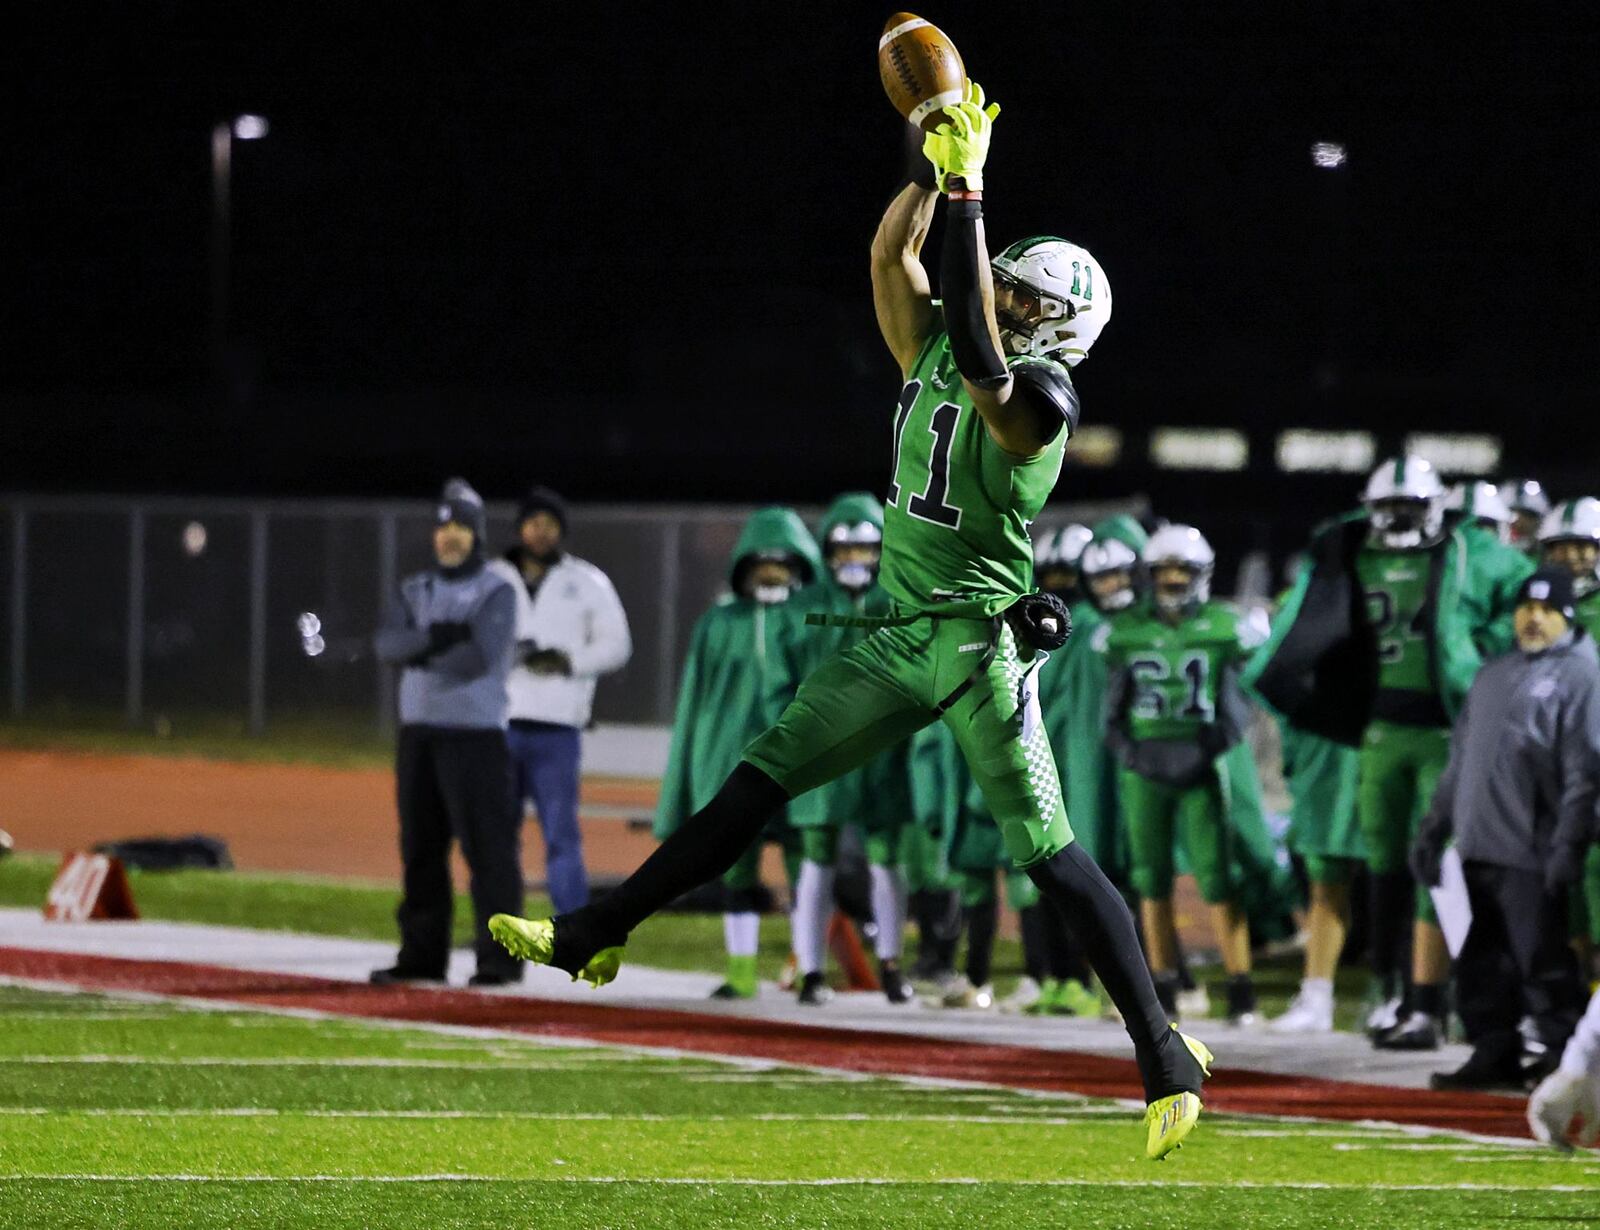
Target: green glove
x: 958, y: 148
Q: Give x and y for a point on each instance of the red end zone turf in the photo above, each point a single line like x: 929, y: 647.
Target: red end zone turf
x: 883, y: 1054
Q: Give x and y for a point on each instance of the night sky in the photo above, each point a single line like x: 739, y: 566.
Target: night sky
x: 624, y: 250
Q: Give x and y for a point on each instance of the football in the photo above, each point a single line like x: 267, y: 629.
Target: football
x: 921, y: 69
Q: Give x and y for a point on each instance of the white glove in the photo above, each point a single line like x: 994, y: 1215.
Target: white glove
x: 1559, y: 1098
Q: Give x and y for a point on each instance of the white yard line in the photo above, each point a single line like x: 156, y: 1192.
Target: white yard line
x: 1142, y: 1184
x: 270, y: 1112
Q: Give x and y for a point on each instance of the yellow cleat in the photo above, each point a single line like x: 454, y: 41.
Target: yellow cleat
x: 534, y: 939
x: 1169, y: 1120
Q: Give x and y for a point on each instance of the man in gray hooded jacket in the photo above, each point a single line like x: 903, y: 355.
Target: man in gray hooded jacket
x: 452, y: 628
x: 1518, y: 798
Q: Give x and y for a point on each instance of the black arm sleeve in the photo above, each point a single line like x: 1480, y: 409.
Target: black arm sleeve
x: 970, y: 341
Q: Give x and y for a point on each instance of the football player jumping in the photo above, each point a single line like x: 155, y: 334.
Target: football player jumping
x: 982, y: 422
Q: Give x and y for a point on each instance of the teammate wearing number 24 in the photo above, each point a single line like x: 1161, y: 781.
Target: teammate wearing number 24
x: 981, y: 425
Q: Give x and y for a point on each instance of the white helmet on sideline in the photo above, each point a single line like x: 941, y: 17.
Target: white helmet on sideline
x: 1576, y: 522
x: 1181, y: 546
x: 1405, y: 501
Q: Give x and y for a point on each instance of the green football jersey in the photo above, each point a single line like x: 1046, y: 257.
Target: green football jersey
x: 1175, y: 673
x: 955, y: 531
x: 1396, y: 587
x: 1588, y: 608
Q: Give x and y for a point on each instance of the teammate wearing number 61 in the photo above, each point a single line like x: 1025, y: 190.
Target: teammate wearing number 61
x: 983, y: 420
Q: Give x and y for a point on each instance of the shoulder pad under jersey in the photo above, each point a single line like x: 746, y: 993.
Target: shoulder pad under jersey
x: 1048, y: 380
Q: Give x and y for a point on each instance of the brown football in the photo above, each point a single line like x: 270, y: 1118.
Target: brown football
x: 921, y: 69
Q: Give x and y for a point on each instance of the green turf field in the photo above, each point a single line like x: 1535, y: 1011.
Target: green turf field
x: 117, y: 1112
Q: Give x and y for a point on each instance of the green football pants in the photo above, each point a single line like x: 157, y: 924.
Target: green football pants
x: 1400, y: 767
x: 923, y: 862
x: 890, y: 685
x: 1157, y: 816
x: 821, y: 845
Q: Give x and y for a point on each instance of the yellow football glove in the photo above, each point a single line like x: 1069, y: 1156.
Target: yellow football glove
x: 958, y: 148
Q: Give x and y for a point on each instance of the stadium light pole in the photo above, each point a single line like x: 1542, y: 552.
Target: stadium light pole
x: 223, y: 135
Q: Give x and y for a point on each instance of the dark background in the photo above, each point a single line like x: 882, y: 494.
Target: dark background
x: 623, y: 250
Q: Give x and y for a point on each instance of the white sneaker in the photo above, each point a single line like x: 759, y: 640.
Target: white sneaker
x: 1384, y: 1017
x: 962, y: 994
x: 1025, y: 996
x: 1559, y: 1097
x: 1306, y: 1014
x: 1193, y: 1005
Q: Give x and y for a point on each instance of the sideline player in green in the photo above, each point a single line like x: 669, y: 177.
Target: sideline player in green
x: 1498, y: 569
x: 1570, y: 538
x: 734, y: 684
x: 1173, y: 708
x: 1322, y: 777
x: 1376, y: 648
x: 875, y: 798
x: 979, y: 433
x: 1530, y: 505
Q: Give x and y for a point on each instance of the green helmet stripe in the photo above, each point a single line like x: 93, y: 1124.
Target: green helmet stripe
x: 1400, y: 472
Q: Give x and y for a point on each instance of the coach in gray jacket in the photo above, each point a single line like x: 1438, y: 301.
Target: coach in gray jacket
x: 1518, y: 797
x: 452, y: 629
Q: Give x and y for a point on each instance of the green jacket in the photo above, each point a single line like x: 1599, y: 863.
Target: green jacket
x: 735, y: 680
x: 1072, y: 689
x: 877, y: 795
x: 1319, y: 668
x: 1497, y: 570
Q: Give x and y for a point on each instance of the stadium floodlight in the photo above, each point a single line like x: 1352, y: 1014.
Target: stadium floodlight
x: 1199, y: 448
x: 194, y: 539
x: 1456, y: 452
x: 1328, y: 154
x: 1303, y: 449
x: 251, y: 127
x: 1096, y: 446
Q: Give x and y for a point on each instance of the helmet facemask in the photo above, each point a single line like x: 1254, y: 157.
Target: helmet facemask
x: 1579, y: 556
x: 1179, y: 586
x: 1031, y: 321
x: 853, y: 554
x: 1402, y: 523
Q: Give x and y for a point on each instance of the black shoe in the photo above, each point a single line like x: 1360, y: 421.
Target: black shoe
x: 1416, y: 1032
x: 578, y: 939
x: 895, y: 987
x: 814, y: 989
x: 399, y: 975
x: 495, y: 978
x: 1481, y: 1072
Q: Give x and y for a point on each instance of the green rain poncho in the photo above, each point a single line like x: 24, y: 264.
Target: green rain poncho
x: 735, y: 681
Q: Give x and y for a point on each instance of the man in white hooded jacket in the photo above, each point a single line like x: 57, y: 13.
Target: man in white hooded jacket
x: 570, y: 631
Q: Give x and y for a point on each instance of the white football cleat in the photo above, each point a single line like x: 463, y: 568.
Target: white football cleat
x: 1306, y: 1014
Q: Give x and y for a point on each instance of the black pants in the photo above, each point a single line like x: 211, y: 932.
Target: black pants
x: 1516, y: 961
x: 456, y: 784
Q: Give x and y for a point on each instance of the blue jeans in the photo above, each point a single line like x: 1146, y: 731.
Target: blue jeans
x: 546, y: 759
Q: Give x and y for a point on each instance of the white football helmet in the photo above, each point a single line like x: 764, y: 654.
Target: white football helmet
x: 1405, y: 501
x: 1062, y: 548
x: 1529, y: 504
x: 1575, y: 521
x: 1482, y: 503
x: 855, y: 575
x: 1108, y: 555
x: 1051, y: 299
x: 1181, y: 546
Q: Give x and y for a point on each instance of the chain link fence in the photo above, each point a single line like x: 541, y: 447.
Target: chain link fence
x: 261, y: 612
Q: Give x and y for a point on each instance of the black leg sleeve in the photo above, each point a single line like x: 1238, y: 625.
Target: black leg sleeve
x: 1035, y: 956
x: 1392, y: 902
x: 1100, y: 920
x: 708, y: 843
x: 982, y: 920
x: 1063, y: 958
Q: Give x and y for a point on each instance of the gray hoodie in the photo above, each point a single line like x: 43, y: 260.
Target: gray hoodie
x: 464, y: 686
x: 1521, y: 785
